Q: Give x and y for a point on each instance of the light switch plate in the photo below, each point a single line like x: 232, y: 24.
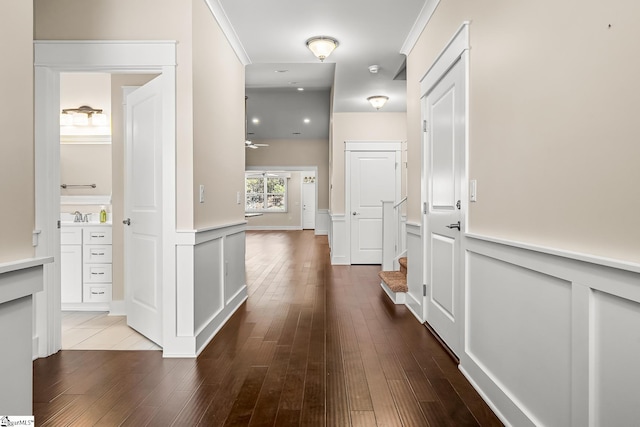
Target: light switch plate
x: 237, y: 197
x: 201, y: 193
x: 473, y: 191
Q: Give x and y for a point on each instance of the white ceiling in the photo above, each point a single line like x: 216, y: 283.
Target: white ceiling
x: 273, y: 33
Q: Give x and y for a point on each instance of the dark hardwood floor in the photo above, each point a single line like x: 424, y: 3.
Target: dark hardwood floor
x: 314, y: 345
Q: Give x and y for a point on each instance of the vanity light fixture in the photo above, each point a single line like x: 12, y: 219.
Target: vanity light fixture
x: 80, y: 116
x: 378, y: 101
x: 322, y: 46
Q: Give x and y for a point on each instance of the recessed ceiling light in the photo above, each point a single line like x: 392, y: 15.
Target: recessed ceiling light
x: 282, y: 71
x: 300, y: 89
x: 307, y: 120
x: 255, y: 120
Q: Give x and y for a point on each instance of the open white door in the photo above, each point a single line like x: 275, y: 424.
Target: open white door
x: 372, y: 180
x: 308, y: 201
x: 143, y: 210
x: 444, y: 112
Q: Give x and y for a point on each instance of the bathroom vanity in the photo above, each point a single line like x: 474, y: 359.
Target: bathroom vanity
x: 85, y: 264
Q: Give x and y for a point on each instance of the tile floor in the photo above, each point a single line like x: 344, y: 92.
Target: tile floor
x: 97, y: 331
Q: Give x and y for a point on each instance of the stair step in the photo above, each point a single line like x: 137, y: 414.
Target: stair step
x: 395, y: 280
x: 403, y: 264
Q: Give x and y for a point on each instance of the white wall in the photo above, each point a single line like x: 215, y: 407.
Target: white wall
x: 296, y: 152
x: 375, y: 126
x: 552, y: 121
x: 16, y: 120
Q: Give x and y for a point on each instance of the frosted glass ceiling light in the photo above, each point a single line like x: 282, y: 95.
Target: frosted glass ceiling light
x: 99, y: 119
x: 322, y: 46
x: 80, y: 119
x: 66, y: 119
x: 378, y: 101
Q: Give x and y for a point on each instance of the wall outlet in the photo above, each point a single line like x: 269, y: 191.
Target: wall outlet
x: 201, y: 193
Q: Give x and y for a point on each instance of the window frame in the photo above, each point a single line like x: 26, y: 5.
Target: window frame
x: 266, y: 175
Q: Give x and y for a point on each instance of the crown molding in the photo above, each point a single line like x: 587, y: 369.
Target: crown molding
x: 421, y: 22
x: 230, y: 33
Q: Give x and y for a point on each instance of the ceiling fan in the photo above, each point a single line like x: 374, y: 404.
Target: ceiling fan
x: 247, y: 141
x: 249, y: 144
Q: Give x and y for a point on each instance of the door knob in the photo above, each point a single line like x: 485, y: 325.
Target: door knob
x: 456, y: 225
x: 356, y: 213
x: 127, y: 221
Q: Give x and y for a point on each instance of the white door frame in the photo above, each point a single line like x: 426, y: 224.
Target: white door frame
x: 302, y: 204
x: 456, y: 50
x: 51, y: 59
x: 365, y: 146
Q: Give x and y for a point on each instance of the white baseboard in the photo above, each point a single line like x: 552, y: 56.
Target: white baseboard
x: 205, y: 336
x: 85, y: 306
x: 118, y: 308
x: 396, y: 297
x: 274, y: 227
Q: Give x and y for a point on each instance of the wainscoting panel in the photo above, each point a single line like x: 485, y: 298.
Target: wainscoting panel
x: 551, y: 337
x: 210, y: 285
x: 415, y: 296
x: 323, y: 220
x: 340, y: 254
x: 616, y: 353
x: 520, y: 342
x: 234, y: 269
x: 208, y: 290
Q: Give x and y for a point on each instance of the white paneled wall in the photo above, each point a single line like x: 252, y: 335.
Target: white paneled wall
x: 415, y: 295
x: 338, y: 240
x: 210, y: 286
x: 552, y: 338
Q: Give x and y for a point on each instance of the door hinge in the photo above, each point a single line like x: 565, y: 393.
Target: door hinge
x: 424, y: 290
x: 425, y: 207
x: 59, y: 224
x: 424, y: 126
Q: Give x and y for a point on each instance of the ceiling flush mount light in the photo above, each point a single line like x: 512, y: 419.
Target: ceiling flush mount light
x: 322, y: 46
x: 378, y: 101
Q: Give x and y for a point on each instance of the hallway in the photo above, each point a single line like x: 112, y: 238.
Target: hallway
x: 314, y: 344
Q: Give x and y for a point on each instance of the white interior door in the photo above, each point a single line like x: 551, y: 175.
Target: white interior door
x: 143, y: 210
x: 373, y: 179
x: 308, y: 202
x: 444, y: 111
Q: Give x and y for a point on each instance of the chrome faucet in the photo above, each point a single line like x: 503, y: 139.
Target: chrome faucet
x: 77, y: 217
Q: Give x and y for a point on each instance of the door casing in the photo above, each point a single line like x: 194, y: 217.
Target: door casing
x: 52, y: 58
x: 456, y: 50
x: 366, y: 146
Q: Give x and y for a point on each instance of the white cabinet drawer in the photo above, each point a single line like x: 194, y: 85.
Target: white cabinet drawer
x: 97, y: 273
x: 96, y: 293
x: 97, y: 235
x: 97, y: 254
x: 71, y: 236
